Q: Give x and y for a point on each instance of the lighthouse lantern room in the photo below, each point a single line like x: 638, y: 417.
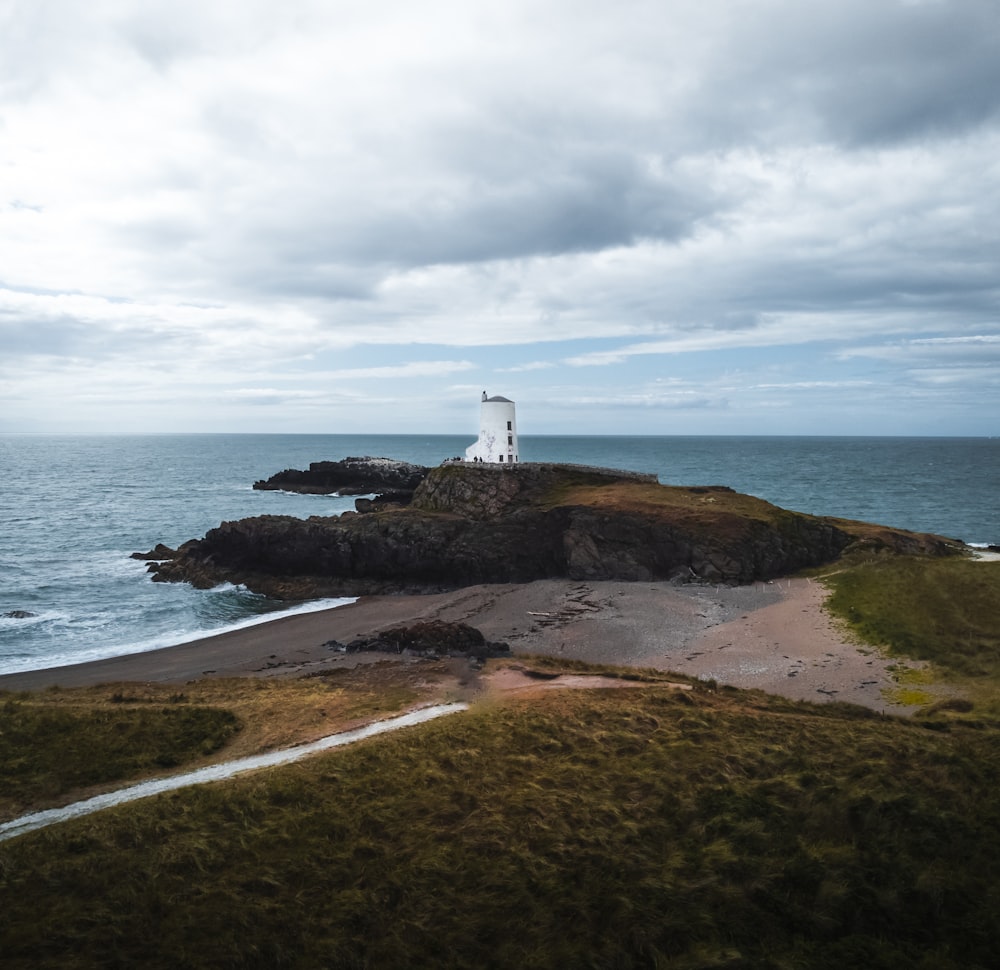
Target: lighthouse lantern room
x: 497, y: 433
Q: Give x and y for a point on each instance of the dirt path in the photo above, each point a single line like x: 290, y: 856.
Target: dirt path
x: 218, y: 772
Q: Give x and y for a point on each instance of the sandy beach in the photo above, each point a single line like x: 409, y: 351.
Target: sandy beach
x: 772, y: 636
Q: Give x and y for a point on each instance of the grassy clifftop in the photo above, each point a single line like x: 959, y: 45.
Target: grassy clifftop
x: 488, y: 492
x: 620, y: 828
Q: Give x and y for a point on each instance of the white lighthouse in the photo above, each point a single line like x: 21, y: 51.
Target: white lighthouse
x: 497, y: 432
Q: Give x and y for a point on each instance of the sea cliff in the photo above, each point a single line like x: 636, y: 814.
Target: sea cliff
x: 469, y: 524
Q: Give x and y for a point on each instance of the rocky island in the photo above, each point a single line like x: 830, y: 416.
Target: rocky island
x: 392, y: 481
x: 469, y: 524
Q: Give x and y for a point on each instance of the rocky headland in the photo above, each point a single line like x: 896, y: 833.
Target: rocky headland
x: 392, y: 481
x: 470, y: 524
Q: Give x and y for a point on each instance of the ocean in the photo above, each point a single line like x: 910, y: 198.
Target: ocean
x: 74, y: 507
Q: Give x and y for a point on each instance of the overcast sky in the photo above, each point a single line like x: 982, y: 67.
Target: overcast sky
x: 669, y: 217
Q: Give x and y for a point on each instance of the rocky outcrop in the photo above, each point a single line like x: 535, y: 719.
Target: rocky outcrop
x: 469, y: 524
x: 350, y: 476
x: 158, y: 552
x: 353, y: 555
x: 430, y: 638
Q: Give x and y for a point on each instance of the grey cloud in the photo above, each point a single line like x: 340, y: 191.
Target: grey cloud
x: 858, y: 72
x: 164, y: 41
x: 72, y: 326
x: 26, y: 47
x: 521, y: 176
x: 59, y: 337
x: 579, y: 204
x: 67, y: 336
x: 340, y: 244
x: 649, y: 171
x: 165, y: 232
x: 923, y: 73
x: 907, y: 288
x: 521, y: 179
x: 165, y: 33
x: 308, y: 282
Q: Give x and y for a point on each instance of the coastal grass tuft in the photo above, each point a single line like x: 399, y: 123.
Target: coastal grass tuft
x: 908, y: 697
x: 627, y: 828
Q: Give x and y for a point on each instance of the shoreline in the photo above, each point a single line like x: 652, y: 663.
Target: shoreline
x: 772, y: 636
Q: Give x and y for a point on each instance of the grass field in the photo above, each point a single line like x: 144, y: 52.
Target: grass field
x: 623, y: 828
x: 944, y: 611
x: 46, y: 751
x: 642, y: 826
x: 62, y: 745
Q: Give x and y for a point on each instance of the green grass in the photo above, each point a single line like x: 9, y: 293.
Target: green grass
x: 637, y: 827
x: 627, y: 828
x: 47, y: 751
x: 55, y: 745
x: 946, y: 611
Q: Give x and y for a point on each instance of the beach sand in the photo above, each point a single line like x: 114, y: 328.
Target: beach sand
x: 771, y: 636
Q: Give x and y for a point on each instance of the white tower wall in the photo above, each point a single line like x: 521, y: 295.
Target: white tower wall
x: 497, y: 432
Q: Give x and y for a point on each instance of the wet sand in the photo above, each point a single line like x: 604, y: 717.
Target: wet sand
x: 772, y: 636
x: 792, y: 647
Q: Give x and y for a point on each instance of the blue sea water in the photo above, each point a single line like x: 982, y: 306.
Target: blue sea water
x: 73, y: 508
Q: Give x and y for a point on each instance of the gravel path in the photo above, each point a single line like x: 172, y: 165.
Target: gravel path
x: 218, y: 772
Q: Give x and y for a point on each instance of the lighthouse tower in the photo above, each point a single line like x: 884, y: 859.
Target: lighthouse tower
x: 497, y: 432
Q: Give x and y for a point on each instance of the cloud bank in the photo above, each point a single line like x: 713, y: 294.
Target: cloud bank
x: 722, y: 216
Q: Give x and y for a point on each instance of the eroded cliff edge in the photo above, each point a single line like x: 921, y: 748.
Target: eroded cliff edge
x: 470, y: 524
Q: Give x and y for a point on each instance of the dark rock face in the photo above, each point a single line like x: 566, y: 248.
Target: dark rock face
x: 158, y: 552
x: 628, y: 546
x: 351, y: 476
x: 384, y: 552
x: 468, y: 525
x: 18, y: 615
x: 433, y: 638
x: 382, y: 502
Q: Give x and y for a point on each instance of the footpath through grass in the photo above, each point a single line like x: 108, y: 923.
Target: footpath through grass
x: 627, y: 828
x: 61, y: 745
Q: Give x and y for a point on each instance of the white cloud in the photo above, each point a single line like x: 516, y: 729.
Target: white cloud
x: 974, y: 347
x: 769, y: 330
x: 416, y: 368
x: 813, y: 385
x: 261, y: 196
x: 530, y: 366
